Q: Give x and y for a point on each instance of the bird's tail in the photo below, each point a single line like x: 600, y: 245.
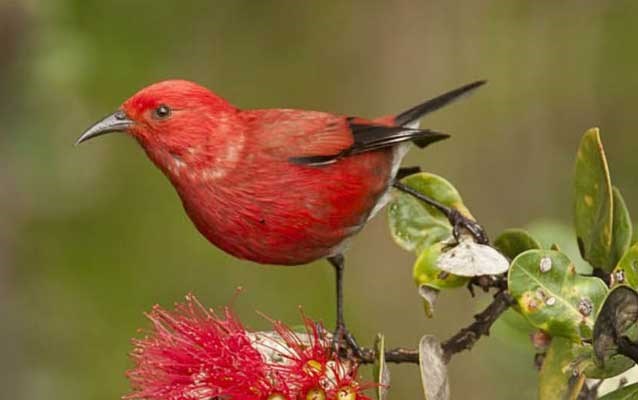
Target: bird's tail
x: 417, y: 112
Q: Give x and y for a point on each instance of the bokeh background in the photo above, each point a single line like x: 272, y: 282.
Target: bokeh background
x: 91, y: 237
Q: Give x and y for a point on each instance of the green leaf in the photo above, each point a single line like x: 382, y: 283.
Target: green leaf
x: 558, y: 236
x: 614, y: 366
x: 415, y: 225
x: 427, y: 273
x: 433, y: 369
x: 513, y: 328
x: 552, y: 296
x: 585, y: 360
x: 513, y: 242
x: 429, y: 296
x: 626, y: 272
x: 622, y: 227
x: 380, y: 369
x: 593, y: 204
x: 625, y: 393
x: 558, y: 378
x: 617, y: 315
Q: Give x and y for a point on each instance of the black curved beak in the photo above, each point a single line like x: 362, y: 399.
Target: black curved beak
x: 116, y: 122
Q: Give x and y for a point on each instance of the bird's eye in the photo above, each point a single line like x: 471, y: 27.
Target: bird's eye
x: 162, y: 112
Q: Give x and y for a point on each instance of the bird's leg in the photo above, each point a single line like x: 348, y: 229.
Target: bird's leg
x: 341, y: 331
x: 457, y: 220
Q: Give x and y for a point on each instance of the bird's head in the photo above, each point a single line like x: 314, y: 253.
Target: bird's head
x: 175, y: 121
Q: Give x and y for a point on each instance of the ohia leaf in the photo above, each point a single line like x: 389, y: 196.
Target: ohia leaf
x: 617, y: 315
x: 552, y: 296
x: 593, y: 369
x: 622, y: 228
x: 433, y: 369
x: 559, y: 378
x: 415, y: 225
x: 584, y: 361
x: 513, y: 242
x: 593, y: 202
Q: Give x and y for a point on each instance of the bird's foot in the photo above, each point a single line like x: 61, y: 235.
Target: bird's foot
x: 460, y: 222
x: 343, y: 343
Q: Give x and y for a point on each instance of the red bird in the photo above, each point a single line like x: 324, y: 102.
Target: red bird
x: 275, y: 186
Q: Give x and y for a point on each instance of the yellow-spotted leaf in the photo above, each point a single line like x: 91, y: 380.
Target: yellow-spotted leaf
x: 415, y: 225
x: 559, y: 379
x: 593, y: 203
x: 624, y: 393
x: 513, y: 242
x: 552, y: 296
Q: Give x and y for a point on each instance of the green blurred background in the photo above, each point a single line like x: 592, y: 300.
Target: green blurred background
x: 91, y: 237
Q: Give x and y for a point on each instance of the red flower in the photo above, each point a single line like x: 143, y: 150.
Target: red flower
x: 343, y: 383
x: 194, y: 354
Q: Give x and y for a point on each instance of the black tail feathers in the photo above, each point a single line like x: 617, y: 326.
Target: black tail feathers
x: 434, y: 104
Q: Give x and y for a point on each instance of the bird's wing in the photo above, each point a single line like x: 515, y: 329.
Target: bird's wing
x: 369, y: 136
x: 286, y: 133
x: 316, y: 138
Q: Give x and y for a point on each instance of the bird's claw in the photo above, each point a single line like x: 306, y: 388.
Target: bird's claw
x: 342, y: 336
x: 460, y: 222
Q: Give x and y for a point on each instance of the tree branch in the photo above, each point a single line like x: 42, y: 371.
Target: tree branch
x: 463, y: 340
x: 398, y: 355
x: 468, y: 336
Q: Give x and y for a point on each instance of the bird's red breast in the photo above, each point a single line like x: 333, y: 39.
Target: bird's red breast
x: 254, y: 203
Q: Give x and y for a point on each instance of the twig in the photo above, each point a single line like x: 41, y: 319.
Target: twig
x: 468, y: 336
x: 399, y: 355
x: 463, y: 340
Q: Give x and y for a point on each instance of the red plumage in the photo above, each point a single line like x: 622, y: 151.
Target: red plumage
x: 234, y: 174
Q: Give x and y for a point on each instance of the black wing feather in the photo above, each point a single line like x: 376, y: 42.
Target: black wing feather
x: 370, y: 137
x: 374, y: 137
